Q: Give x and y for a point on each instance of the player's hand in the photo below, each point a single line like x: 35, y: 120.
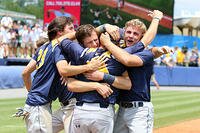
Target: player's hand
x: 94, y: 76
x: 113, y: 31
x: 165, y: 50
x: 156, y: 14
x: 97, y: 63
x: 64, y: 80
x: 20, y: 112
x: 104, y: 90
x: 105, y: 38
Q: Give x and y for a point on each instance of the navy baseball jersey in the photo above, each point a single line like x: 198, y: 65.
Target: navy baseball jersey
x: 113, y: 67
x: 64, y: 94
x: 72, y: 51
x: 46, y: 76
x: 140, y: 78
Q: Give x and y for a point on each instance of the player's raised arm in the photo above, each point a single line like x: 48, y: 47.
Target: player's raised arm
x: 152, y: 30
x: 120, y: 54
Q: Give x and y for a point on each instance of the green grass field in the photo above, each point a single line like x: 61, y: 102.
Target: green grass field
x: 170, y: 107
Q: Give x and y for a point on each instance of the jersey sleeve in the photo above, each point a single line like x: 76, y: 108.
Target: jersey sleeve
x: 138, y: 47
x: 58, y: 54
x: 146, y: 56
x: 72, y: 50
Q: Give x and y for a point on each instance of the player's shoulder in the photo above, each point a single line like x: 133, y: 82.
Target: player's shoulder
x: 66, y: 41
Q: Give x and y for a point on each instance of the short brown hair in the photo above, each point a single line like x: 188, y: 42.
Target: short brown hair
x: 58, y: 24
x: 84, y: 31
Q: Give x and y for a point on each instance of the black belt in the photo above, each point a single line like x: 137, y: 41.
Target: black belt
x: 131, y: 104
x: 101, y: 105
x: 65, y: 103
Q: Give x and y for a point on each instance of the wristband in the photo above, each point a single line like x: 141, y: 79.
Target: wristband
x: 156, y: 18
x: 108, y: 78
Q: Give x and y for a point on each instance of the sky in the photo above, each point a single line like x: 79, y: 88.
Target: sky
x: 186, y: 8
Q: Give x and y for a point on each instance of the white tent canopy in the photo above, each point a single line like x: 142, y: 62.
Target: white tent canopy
x: 187, y: 13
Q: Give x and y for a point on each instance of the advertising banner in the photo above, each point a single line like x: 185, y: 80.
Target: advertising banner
x: 68, y: 8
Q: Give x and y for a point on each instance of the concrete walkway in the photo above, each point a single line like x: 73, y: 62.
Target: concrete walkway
x: 13, y: 93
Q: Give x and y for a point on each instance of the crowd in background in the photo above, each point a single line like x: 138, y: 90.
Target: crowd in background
x: 181, y: 57
x: 98, y: 13
x: 18, y: 39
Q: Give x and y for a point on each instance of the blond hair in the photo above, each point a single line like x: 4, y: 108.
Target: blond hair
x: 136, y: 23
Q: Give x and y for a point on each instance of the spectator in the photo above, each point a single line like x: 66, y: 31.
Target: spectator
x: 3, y: 48
x: 120, y: 4
x: 24, y: 44
x: 6, y: 21
x: 168, y: 60
x: 182, y: 57
x: 116, y: 18
x: 31, y: 43
x: 174, y: 56
x: 6, y: 37
x: 14, y: 40
x: 37, y: 31
x: 97, y: 13
x: 193, y: 61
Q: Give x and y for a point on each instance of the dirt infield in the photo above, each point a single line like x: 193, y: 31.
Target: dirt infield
x: 184, y: 127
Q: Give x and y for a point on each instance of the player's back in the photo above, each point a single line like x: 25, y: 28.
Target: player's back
x: 46, y: 75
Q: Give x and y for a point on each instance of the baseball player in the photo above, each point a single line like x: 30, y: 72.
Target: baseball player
x: 62, y: 117
x: 93, y: 113
x: 49, y: 62
x: 136, y: 110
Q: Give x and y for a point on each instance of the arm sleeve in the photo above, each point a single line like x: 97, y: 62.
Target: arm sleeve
x: 58, y: 54
x: 73, y: 50
x: 138, y: 47
x: 146, y: 56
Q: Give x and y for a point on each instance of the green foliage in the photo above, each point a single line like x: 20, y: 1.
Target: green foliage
x: 18, y: 6
x: 170, y: 107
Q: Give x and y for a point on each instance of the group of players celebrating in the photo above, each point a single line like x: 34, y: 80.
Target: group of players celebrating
x: 104, y: 66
